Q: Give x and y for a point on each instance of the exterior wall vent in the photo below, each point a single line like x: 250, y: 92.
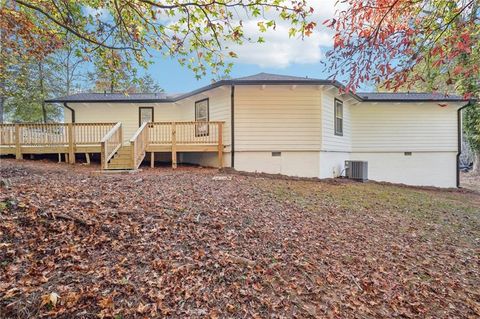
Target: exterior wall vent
x: 276, y: 154
x: 357, y: 170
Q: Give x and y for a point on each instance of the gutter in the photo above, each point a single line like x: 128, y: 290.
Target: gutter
x: 459, y: 137
x: 72, y: 111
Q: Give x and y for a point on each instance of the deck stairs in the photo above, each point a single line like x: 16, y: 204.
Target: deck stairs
x: 122, y: 160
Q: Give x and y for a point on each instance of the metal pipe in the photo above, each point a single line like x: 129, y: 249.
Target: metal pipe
x: 71, y: 110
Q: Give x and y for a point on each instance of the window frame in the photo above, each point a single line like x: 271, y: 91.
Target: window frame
x: 140, y: 113
x: 338, y: 131
x: 198, y: 133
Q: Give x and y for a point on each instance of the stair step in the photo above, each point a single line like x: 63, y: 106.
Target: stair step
x: 120, y: 161
x: 119, y: 166
x: 124, y: 152
x: 122, y: 156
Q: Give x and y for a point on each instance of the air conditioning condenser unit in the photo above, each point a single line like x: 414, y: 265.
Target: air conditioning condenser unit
x: 357, y: 170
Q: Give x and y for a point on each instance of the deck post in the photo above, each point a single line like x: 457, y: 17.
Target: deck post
x: 220, y: 145
x: 174, y: 145
x: 103, y: 162
x: 18, y: 150
x: 133, y: 153
x: 152, y: 159
x: 87, y: 157
x: 71, y: 153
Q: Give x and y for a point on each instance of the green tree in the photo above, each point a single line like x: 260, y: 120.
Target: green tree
x: 68, y: 64
x: 147, y: 84
x: 198, y: 33
x: 112, y: 72
x: 29, y: 80
x: 30, y: 83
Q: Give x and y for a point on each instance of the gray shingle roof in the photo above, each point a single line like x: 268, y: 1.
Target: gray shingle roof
x: 273, y: 77
x: 119, y: 97
x: 257, y: 79
x: 408, y: 96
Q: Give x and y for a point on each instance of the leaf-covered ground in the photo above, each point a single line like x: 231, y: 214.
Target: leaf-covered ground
x: 203, y: 244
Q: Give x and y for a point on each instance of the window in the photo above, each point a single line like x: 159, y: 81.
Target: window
x: 145, y: 114
x: 201, y: 115
x: 338, y: 117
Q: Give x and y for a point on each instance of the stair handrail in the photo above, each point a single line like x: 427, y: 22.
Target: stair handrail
x: 139, y: 143
x: 111, y: 143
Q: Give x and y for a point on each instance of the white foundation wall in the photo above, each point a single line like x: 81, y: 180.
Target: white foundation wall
x: 300, y: 164
x: 332, y: 164
x: 420, y: 169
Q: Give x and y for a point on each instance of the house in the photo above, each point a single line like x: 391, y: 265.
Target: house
x: 282, y: 125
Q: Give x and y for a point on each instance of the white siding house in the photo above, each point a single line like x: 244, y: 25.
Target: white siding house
x: 290, y: 125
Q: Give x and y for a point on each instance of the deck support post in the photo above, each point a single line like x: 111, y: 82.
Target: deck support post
x: 174, y: 145
x: 103, y: 162
x: 87, y: 158
x: 71, y: 153
x: 152, y: 159
x: 220, y: 145
x: 18, y: 150
x: 59, y: 157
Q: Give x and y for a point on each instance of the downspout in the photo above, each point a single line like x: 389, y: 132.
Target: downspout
x: 232, y: 125
x: 459, y: 141
x: 71, y: 110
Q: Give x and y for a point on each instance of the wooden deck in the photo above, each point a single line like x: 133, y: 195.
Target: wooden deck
x: 107, y: 139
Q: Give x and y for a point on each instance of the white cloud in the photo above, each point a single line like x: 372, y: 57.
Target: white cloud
x: 279, y: 50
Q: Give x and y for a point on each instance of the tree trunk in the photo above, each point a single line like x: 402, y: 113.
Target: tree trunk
x: 42, y: 91
x: 112, y: 81
x: 476, y: 163
x: 2, y: 101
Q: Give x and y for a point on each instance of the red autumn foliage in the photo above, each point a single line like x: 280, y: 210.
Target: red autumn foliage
x: 384, y: 40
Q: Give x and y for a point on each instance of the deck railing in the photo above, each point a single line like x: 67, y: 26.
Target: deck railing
x: 184, y: 132
x: 7, y: 134
x: 37, y: 134
x: 90, y: 133
x: 179, y: 134
x: 56, y: 136
x: 139, y: 143
x: 111, y: 143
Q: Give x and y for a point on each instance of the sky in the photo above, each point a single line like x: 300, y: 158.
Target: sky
x: 279, y: 54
